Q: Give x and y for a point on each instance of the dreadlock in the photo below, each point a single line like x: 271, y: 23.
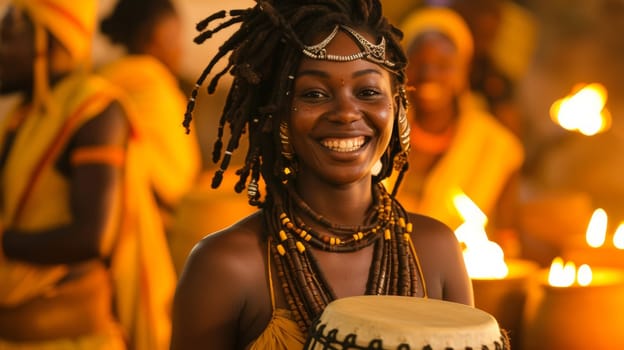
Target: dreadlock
x: 264, y: 54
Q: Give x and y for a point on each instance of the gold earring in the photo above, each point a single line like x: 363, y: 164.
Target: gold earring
x: 377, y: 168
x: 404, y: 126
x: 404, y: 130
x: 287, y: 150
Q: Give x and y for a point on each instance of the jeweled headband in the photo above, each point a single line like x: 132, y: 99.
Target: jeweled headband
x: 375, y: 53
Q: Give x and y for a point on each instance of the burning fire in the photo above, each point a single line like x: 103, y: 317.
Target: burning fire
x: 618, y: 237
x: 483, y: 258
x: 564, y: 275
x: 597, y: 228
x: 596, y: 233
x: 583, y: 111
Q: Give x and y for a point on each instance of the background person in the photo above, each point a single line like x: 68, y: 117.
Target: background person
x: 149, y: 32
x: 84, y: 262
x: 456, y: 145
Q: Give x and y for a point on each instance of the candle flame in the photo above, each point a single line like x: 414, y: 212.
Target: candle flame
x: 597, y: 228
x: 584, y: 275
x: 564, y: 275
x: 583, y: 111
x: 483, y: 258
x: 618, y: 237
x: 561, y: 275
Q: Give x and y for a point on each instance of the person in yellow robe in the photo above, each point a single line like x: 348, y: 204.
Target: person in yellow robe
x: 150, y: 34
x: 84, y: 262
x: 456, y: 145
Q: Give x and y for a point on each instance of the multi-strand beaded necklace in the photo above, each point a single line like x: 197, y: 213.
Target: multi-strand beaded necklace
x: 395, y: 269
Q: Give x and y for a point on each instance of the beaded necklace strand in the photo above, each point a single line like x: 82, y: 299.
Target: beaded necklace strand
x: 395, y: 269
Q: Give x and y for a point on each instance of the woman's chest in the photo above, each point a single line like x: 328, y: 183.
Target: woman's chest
x: 346, y: 274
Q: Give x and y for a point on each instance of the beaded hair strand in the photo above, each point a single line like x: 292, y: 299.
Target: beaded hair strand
x: 263, y: 53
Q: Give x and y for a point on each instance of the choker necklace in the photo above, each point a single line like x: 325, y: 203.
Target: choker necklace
x: 395, y: 269
x: 353, y: 237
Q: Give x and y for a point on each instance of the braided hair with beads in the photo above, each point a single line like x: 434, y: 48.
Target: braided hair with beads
x: 264, y: 55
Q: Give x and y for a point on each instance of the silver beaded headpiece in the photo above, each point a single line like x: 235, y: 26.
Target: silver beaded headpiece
x: 375, y: 53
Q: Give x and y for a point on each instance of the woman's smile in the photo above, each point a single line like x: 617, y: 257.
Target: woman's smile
x: 344, y: 145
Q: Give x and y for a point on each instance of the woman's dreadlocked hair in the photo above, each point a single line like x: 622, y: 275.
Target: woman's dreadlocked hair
x: 264, y: 54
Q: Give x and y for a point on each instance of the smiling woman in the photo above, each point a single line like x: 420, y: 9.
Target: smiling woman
x: 342, y: 115
x: 318, y: 89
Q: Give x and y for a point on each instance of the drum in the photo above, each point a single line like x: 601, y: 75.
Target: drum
x: 404, y: 323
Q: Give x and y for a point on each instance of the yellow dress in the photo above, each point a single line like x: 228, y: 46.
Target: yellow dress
x: 282, y: 332
x: 35, y: 196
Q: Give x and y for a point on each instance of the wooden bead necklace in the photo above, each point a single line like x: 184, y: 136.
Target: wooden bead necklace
x: 395, y: 269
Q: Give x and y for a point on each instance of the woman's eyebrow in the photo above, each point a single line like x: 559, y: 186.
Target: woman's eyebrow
x: 313, y: 72
x: 323, y: 74
x: 365, y: 72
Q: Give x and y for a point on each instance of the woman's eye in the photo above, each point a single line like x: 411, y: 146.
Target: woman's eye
x: 314, y: 94
x: 369, y: 92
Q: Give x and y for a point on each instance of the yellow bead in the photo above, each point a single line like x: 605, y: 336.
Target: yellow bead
x: 387, y: 235
x: 409, y: 227
x: 300, y: 247
x: 406, y: 236
x: 282, y: 215
x: 338, y: 241
x: 360, y: 235
x: 307, y: 238
x: 332, y: 241
x: 287, y: 171
x: 281, y: 250
x: 303, y: 234
x: 355, y: 236
x: 282, y: 235
x: 285, y: 220
x: 402, y: 222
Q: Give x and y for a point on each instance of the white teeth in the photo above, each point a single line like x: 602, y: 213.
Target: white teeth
x: 344, y: 145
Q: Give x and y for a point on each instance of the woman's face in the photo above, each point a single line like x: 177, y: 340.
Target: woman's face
x: 342, y: 114
x: 17, y: 52
x: 165, y: 41
x: 435, y: 73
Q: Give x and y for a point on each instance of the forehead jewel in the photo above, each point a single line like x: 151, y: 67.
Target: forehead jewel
x: 372, y: 52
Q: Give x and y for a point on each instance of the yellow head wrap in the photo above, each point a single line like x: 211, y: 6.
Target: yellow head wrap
x: 72, y: 22
x: 441, y: 20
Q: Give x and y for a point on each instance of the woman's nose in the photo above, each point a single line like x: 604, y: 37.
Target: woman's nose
x: 346, y: 109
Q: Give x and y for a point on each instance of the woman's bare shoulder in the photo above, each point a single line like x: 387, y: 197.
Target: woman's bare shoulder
x: 229, y: 247
x: 434, y: 241
x: 426, y: 227
x: 222, y: 275
x: 442, y: 261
